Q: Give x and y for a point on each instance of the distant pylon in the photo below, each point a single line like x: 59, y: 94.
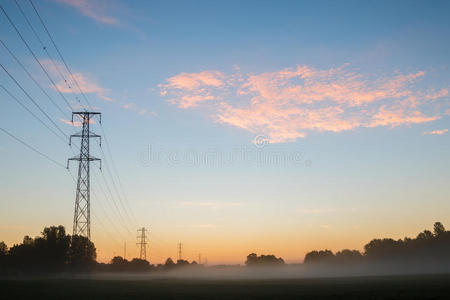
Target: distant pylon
x: 82, y: 214
x: 142, y: 243
x: 180, y: 251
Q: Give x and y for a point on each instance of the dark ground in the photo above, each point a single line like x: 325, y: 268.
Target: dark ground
x: 387, y: 287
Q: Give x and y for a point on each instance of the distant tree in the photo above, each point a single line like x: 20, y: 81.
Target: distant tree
x: 169, y: 262
x: 425, y: 235
x: 252, y: 259
x: 182, y: 262
x: 382, y: 248
x: 118, y: 263
x: 27, y: 240
x: 319, y: 257
x: 3, y: 253
x: 118, y: 260
x: 264, y: 260
x: 82, y: 253
x: 169, y: 265
x: 3, y: 249
x: 439, y: 229
x: 139, y: 265
x: 53, y: 247
x: 347, y: 256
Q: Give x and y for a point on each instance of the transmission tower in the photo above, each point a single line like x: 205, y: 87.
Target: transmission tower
x: 180, y: 251
x: 82, y: 215
x: 142, y: 243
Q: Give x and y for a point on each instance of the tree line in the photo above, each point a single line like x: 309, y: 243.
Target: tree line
x: 56, y: 251
x: 53, y: 251
x: 427, y: 248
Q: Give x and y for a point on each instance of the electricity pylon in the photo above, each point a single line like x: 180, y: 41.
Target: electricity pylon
x: 180, y: 251
x: 142, y: 243
x: 82, y: 215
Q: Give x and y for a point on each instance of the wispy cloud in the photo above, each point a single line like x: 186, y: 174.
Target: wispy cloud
x: 290, y: 103
x: 70, y: 85
x: 196, y: 84
x: 436, y: 132
x: 93, y: 9
x: 131, y: 106
x: 75, y: 123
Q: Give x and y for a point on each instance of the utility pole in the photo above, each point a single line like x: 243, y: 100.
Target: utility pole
x: 180, y: 251
x: 82, y: 214
x: 199, y: 258
x: 125, y: 250
x: 142, y: 243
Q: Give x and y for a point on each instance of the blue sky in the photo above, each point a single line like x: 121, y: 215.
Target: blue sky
x: 355, y: 91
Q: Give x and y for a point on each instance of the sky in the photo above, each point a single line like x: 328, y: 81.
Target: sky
x: 274, y: 127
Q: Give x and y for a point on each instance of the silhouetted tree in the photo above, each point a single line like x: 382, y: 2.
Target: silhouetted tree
x: 3, y: 253
x: 82, y: 253
x: 169, y: 264
x: 118, y: 263
x: 347, y: 256
x: 3, y: 249
x: 182, y: 262
x: 139, y: 265
x: 264, y: 260
x: 439, y: 229
x: 52, y: 247
x: 322, y: 257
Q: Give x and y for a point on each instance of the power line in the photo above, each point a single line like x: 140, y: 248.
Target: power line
x: 35, y: 57
x: 114, y: 208
x: 106, y: 214
x: 32, y: 100
x: 57, y: 89
x: 32, y: 148
x: 30, y: 112
x: 104, y: 211
x: 31, y: 76
x: 89, y: 105
x: 108, y: 148
x: 114, y: 201
x: 115, y: 189
x: 42, y: 43
x: 59, y: 53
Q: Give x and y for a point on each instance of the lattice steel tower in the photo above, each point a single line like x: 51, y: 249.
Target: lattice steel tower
x: 82, y: 215
x: 142, y: 243
x: 180, y: 251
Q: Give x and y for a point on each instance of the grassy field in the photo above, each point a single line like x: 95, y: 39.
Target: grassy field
x: 389, y: 287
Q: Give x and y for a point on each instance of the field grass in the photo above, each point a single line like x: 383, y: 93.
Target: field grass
x: 389, y: 287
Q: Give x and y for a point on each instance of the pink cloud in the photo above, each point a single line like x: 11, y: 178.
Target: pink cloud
x: 75, y: 123
x: 439, y: 94
x: 131, y: 106
x: 436, y: 132
x: 70, y: 84
x: 290, y: 103
x: 92, y: 9
x: 190, y: 89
